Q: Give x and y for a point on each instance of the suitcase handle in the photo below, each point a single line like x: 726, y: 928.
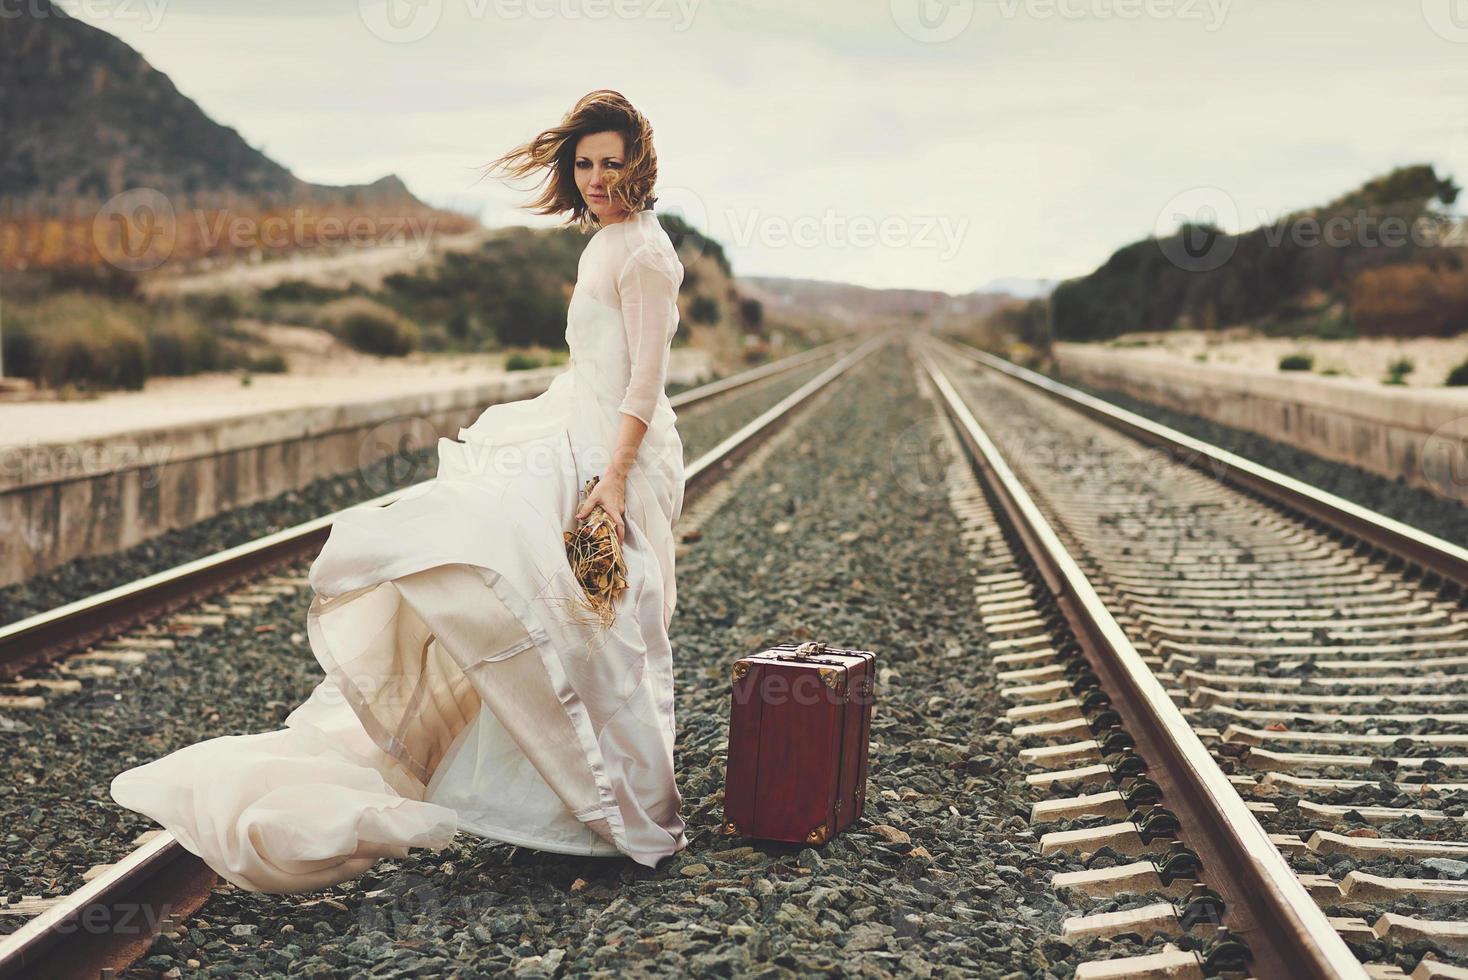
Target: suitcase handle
x: 811, y: 648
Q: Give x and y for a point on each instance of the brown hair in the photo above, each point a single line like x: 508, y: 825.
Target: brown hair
x: 554, y: 150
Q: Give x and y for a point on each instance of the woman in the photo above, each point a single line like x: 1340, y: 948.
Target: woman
x: 465, y: 688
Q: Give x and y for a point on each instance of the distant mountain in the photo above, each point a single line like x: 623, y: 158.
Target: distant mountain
x: 85, y: 116
x: 1020, y: 288
x: 858, y: 306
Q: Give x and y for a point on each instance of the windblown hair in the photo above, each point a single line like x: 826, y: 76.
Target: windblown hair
x: 554, y: 151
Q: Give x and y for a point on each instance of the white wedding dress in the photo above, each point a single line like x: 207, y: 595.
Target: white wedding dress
x: 463, y: 689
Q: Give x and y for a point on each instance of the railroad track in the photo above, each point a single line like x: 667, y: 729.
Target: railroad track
x: 1245, y: 701
x: 108, y: 923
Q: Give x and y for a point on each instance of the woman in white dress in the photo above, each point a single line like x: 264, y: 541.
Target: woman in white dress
x: 465, y: 689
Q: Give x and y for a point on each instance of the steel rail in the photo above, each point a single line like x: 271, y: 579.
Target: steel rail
x: 1265, y: 903
x: 112, y: 920
x: 1412, y: 545
x: 746, y: 378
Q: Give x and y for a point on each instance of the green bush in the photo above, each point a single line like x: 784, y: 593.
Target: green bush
x: 1335, y: 328
x: 216, y: 307
x: 385, y: 336
x: 704, y: 310
x: 84, y: 340
x: 369, y: 326
x: 460, y: 324
x: 1397, y: 371
x: 752, y: 312
x: 271, y: 363
x: 519, y: 361
x: 179, y: 344
x: 1458, y: 376
x: 1296, y: 362
x: 95, y: 342
x: 300, y: 291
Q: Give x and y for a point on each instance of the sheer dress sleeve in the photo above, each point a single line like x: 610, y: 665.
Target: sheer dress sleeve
x: 648, y: 290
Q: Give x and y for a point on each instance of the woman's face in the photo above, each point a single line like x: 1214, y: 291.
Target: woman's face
x: 596, y: 153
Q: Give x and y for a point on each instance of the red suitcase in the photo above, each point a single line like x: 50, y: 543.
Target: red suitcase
x: 800, y: 719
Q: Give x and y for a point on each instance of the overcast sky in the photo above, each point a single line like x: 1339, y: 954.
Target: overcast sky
x: 922, y: 143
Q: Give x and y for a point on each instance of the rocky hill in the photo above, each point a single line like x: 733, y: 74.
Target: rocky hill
x: 84, y: 115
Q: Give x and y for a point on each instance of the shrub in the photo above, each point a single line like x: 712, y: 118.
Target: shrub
x: 216, y: 307
x: 1410, y: 300
x: 1397, y: 371
x: 369, y: 326
x: 271, y: 363
x: 1335, y: 327
x: 520, y: 361
x: 299, y: 291
x: 1458, y: 376
x: 108, y: 281
x: 1296, y: 362
x: 704, y: 310
x: 387, y: 336
x: 78, y: 339
x: 179, y: 344
x: 752, y: 313
x: 459, y: 324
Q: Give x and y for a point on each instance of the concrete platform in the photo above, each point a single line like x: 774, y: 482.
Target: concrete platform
x: 1419, y: 435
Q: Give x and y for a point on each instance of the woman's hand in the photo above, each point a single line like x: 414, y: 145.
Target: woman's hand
x: 611, y: 492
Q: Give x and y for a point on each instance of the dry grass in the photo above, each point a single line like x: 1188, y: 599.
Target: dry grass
x: 596, y: 559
